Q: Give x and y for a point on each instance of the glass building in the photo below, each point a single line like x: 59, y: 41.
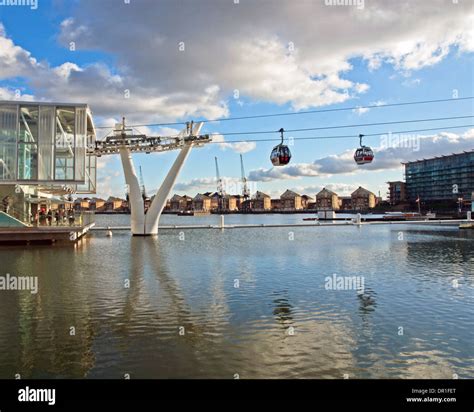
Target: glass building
x: 45, y: 144
x: 43, y: 156
x: 441, y: 178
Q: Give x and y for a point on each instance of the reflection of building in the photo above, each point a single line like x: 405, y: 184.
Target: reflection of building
x: 290, y: 201
x: 397, y: 192
x: 362, y: 199
x: 43, y: 153
x: 327, y: 200
x: 441, y: 178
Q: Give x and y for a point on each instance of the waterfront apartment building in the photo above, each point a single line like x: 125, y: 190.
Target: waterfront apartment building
x: 327, y: 200
x: 180, y: 203
x: 201, y: 203
x: 396, y: 192
x: 97, y: 204
x: 114, y: 204
x: 362, y: 199
x: 444, y: 178
x: 290, y: 200
x: 261, y: 201
x: 82, y: 203
x: 345, y: 203
x: 229, y: 203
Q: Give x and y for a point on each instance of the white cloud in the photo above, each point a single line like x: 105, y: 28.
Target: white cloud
x: 360, y: 110
x: 196, y: 185
x: 231, y: 185
x: 10, y: 94
x: 239, y: 147
x: 251, y: 51
x: 14, y: 61
x: 158, y: 81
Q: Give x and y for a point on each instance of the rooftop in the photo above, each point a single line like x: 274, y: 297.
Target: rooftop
x: 438, y: 157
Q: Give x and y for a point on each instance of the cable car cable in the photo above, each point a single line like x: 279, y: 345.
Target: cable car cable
x: 344, y: 136
x: 340, y: 109
x: 433, y: 119
x: 349, y: 125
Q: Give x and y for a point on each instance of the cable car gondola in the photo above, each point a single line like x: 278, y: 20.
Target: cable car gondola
x: 281, y: 154
x: 363, y: 154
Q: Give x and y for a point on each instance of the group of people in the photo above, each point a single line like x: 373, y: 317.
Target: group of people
x: 60, y: 216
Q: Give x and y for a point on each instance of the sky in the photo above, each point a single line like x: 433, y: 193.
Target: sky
x: 160, y: 61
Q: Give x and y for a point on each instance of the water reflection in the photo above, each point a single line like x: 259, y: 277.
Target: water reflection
x: 282, y: 309
x: 367, y: 301
x: 221, y: 303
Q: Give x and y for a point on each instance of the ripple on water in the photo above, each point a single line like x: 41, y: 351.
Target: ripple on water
x: 247, y: 302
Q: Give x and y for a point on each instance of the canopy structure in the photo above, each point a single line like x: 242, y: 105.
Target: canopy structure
x: 52, y: 200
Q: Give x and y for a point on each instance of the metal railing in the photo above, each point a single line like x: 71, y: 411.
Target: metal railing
x: 76, y: 219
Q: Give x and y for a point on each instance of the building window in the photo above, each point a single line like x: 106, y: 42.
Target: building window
x: 8, y: 140
x: 28, y: 143
x: 65, y: 143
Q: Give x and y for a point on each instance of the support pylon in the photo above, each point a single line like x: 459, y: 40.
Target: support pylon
x: 147, y: 224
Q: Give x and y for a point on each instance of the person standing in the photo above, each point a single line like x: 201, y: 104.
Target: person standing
x: 6, y: 204
x: 71, y: 217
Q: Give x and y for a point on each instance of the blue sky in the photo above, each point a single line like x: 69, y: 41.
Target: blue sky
x: 396, y: 58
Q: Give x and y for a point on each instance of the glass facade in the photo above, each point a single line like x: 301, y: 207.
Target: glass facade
x: 8, y: 139
x: 28, y: 143
x: 46, y: 144
x: 441, y: 178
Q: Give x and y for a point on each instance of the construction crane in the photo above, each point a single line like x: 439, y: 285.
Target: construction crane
x: 220, y: 188
x: 245, y: 189
x: 142, y: 184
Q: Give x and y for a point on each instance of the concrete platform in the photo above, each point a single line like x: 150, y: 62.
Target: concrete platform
x: 43, y: 234
x: 466, y: 225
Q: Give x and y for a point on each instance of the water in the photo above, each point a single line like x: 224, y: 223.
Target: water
x: 280, y: 322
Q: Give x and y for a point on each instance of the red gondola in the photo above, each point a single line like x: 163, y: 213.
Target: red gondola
x: 363, y: 154
x: 281, y: 154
